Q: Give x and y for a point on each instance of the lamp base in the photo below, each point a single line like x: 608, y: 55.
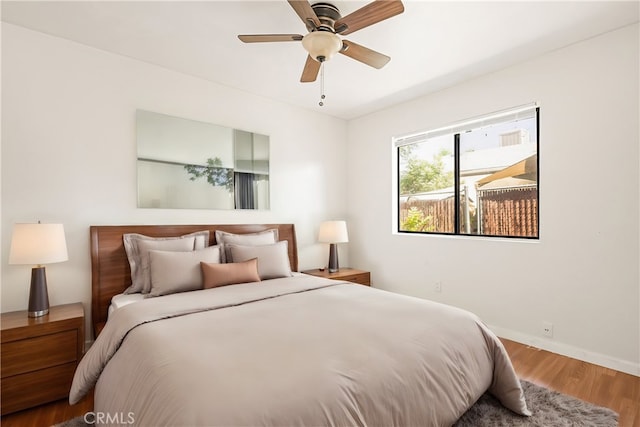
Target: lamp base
x: 334, y: 267
x: 38, y: 295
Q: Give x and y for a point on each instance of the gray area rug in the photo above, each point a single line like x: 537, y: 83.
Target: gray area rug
x: 550, y: 409
x: 73, y: 422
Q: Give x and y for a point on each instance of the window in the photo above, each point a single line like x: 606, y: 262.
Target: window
x: 477, y: 178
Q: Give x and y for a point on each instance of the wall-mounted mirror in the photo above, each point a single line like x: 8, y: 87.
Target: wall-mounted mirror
x: 196, y: 165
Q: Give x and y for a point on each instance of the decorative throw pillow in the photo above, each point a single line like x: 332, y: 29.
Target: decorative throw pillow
x: 231, y: 273
x: 273, y: 260
x: 137, y: 247
x: 173, y: 272
x: 224, y: 238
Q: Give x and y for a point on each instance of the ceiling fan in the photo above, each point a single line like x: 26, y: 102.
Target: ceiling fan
x: 324, y: 23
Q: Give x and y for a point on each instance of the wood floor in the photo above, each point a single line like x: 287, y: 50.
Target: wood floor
x: 588, y: 382
x: 592, y: 383
x: 49, y: 414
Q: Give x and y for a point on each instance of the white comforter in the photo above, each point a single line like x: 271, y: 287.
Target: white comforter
x: 298, y: 351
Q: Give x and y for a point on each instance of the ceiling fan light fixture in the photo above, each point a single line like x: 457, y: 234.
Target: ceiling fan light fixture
x: 322, y: 45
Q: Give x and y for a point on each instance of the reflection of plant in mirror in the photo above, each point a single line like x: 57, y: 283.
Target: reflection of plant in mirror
x: 216, y: 175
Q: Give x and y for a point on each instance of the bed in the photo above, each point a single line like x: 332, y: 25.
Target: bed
x: 286, y: 349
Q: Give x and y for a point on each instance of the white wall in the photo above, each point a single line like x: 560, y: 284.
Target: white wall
x: 583, y: 273
x: 69, y: 153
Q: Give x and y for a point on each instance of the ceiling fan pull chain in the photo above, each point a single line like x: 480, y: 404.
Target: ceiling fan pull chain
x: 321, y: 103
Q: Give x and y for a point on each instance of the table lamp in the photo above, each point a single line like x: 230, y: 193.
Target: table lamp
x: 333, y: 232
x: 38, y: 244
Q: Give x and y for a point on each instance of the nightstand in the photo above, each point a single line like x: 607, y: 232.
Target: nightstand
x: 348, y: 274
x: 39, y: 355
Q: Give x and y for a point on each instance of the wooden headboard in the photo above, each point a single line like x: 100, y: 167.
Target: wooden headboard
x: 110, y: 272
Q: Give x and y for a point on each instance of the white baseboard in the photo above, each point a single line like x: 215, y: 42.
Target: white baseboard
x: 569, y: 351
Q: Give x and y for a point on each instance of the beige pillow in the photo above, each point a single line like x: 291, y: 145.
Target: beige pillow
x: 173, y: 272
x: 273, y: 260
x: 137, y: 247
x: 266, y: 237
x: 231, y: 273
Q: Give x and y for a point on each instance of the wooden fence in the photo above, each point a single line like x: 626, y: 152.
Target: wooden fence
x: 500, y: 212
x: 440, y: 212
x: 508, y: 211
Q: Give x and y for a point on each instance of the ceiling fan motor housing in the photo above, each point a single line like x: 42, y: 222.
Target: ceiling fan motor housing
x: 326, y: 13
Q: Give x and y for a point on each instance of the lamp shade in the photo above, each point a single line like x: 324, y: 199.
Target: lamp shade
x: 333, y: 232
x: 37, y: 244
x: 321, y: 45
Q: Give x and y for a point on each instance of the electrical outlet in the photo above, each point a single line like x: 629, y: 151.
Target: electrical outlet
x: 437, y: 287
x: 547, y: 329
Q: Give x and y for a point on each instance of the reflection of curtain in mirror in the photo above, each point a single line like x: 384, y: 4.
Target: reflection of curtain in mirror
x: 244, y: 190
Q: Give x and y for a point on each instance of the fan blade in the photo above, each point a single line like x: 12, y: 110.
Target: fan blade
x: 374, y: 12
x: 306, y: 13
x: 310, y: 71
x: 363, y: 54
x: 260, y: 38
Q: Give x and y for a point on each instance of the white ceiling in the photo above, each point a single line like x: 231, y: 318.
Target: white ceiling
x: 432, y: 44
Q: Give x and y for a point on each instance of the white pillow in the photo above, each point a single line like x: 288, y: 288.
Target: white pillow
x: 137, y: 247
x: 273, y: 260
x: 224, y: 238
x: 173, y: 272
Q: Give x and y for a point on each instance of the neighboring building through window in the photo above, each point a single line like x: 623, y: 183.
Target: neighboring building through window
x: 475, y: 178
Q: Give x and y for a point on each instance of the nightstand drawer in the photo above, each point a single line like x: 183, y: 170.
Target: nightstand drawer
x: 38, y: 353
x: 362, y: 278
x: 37, y: 387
